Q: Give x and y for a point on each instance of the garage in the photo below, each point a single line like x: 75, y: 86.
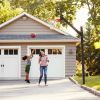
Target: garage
x: 9, y: 62
x: 56, y: 65
x: 23, y: 33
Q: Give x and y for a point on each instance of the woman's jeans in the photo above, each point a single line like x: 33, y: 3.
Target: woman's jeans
x: 43, y: 71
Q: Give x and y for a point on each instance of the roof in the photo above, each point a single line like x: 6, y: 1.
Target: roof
x: 42, y: 37
x: 38, y: 37
x: 62, y: 36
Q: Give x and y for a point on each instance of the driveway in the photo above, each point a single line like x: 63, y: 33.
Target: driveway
x: 56, y: 90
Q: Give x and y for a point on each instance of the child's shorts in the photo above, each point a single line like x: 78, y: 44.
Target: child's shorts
x: 27, y: 69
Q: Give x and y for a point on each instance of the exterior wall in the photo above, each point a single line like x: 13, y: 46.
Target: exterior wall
x: 70, y: 60
x: 23, y: 63
x: 28, y: 26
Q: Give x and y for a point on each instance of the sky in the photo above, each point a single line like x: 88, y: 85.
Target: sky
x: 81, y: 19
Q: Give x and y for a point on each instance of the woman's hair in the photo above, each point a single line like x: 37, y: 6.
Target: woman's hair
x: 24, y: 58
x: 40, y: 54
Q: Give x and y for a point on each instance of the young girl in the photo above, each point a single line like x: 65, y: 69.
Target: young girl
x: 43, y: 59
x: 27, y: 68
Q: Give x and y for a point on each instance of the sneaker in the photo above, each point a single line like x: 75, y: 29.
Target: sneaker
x: 38, y: 84
x: 28, y: 81
x: 46, y: 85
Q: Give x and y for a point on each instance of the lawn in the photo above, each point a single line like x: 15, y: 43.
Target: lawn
x: 90, y: 81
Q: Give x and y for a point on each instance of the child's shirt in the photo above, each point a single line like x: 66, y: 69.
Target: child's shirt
x: 28, y: 62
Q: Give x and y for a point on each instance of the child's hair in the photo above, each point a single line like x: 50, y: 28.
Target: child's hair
x: 24, y: 58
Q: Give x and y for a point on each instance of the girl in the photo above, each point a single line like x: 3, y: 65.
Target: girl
x: 27, y: 68
x: 43, y: 59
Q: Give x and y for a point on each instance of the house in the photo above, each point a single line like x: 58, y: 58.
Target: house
x: 23, y: 33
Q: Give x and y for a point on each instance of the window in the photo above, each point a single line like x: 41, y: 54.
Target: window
x: 55, y: 51
x: 10, y: 52
x: 37, y: 51
x: 43, y: 50
x: 15, y: 52
x: 32, y: 50
x: 49, y: 51
x: 6, y: 52
x: 59, y: 51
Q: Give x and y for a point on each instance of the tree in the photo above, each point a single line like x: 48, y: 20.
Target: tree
x: 28, y: 5
x: 97, y: 45
x: 47, y: 9
x: 7, y: 12
x: 91, y: 55
x: 91, y: 36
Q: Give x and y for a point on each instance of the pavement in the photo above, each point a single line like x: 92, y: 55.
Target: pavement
x: 62, y: 89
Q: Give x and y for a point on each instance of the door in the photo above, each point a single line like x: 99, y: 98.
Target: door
x: 9, y: 62
x: 57, y: 62
x: 56, y: 65
x: 34, y: 70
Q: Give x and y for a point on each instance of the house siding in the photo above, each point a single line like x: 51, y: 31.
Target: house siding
x: 70, y: 60
x: 23, y: 63
x: 28, y: 26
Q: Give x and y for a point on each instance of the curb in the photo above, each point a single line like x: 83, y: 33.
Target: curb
x: 91, y: 90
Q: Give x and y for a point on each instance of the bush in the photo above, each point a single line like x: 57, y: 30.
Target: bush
x: 79, y: 70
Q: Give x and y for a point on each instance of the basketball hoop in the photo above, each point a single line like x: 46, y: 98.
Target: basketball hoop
x: 57, y: 19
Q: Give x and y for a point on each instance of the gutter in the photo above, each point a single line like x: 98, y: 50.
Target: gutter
x: 18, y: 41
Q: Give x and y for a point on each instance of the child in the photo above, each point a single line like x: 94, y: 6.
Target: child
x: 43, y: 59
x: 27, y: 68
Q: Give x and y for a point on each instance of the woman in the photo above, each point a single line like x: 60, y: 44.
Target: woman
x: 43, y: 60
x: 27, y: 68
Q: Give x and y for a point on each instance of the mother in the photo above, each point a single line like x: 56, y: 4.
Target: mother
x: 43, y: 61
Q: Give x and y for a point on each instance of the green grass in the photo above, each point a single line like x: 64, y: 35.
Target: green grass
x: 90, y: 81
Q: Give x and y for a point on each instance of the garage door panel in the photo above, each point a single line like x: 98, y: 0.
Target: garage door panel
x: 10, y: 60
x: 12, y: 67
x: 1, y: 67
x: 34, y: 70
x: 56, y: 65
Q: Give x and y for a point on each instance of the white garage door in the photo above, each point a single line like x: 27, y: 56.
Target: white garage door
x: 56, y: 65
x: 9, y: 62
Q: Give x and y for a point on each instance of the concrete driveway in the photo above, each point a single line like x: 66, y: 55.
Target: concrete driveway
x: 56, y: 90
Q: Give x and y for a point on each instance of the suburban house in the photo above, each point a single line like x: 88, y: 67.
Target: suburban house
x: 23, y: 33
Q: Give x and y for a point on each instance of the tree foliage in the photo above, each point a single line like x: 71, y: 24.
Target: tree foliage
x: 47, y: 9
x: 91, y: 35
x: 7, y: 12
x: 91, y: 55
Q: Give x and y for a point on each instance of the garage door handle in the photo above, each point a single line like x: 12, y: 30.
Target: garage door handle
x: 2, y: 65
